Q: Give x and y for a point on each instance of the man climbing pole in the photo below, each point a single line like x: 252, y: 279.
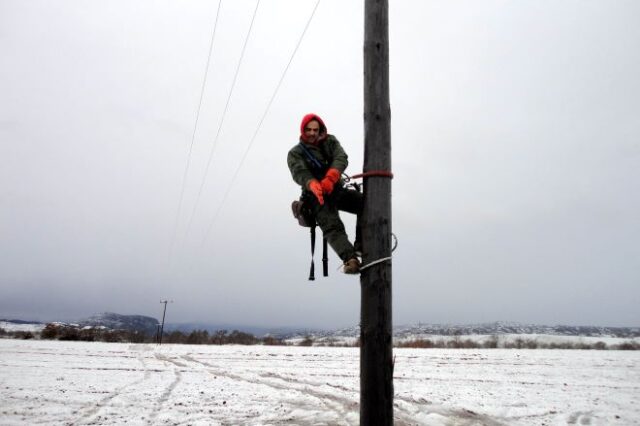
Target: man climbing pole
x: 316, y: 164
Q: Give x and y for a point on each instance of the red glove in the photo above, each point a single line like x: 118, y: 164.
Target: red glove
x: 316, y: 188
x: 330, y: 179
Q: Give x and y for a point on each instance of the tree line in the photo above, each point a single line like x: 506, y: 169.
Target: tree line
x: 69, y: 332
x: 518, y: 343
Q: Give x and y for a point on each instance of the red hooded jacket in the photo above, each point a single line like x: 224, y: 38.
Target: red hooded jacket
x: 322, y: 135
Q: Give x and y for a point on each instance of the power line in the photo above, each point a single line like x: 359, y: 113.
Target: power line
x: 224, y: 113
x: 193, y: 136
x: 255, y: 134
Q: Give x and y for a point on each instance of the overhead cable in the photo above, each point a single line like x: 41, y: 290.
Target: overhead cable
x: 224, y: 113
x: 255, y: 134
x: 193, y: 136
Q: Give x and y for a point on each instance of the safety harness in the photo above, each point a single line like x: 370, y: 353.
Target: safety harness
x: 304, y: 213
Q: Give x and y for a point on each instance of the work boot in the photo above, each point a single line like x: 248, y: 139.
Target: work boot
x: 351, y: 266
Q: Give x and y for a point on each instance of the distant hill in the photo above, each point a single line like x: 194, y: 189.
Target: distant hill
x: 496, y: 328
x: 113, y: 321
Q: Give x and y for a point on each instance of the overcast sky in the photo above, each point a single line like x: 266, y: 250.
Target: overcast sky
x: 515, y: 149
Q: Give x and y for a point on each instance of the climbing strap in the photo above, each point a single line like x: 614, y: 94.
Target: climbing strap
x: 325, y: 259
x: 316, y: 165
x: 375, y: 262
x: 384, y: 259
x: 373, y: 173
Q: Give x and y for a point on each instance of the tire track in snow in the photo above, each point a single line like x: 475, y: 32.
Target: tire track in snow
x: 581, y: 417
x: 340, y: 405
x: 95, y: 408
x: 403, y: 415
x: 454, y: 416
x: 169, y: 390
x: 337, y: 404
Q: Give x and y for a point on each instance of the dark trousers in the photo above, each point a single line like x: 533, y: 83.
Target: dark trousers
x: 328, y: 218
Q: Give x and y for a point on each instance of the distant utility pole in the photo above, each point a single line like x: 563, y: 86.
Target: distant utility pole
x: 164, y: 312
x: 376, y: 353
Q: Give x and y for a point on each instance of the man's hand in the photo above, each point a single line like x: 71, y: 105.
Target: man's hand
x: 316, y: 188
x: 330, y: 179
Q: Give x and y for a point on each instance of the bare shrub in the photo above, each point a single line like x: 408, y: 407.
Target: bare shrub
x: 111, y: 336
x: 520, y: 343
x: 583, y: 346
x: 69, y: 333
x: 241, y: 338
x: 135, y: 336
x: 600, y: 346
x: 198, y: 337
x: 491, y: 342
x: 470, y: 344
x: 560, y: 345
x: 628, y: 346
x: 273, y: 341
x: 307, y: 341
x: 219, y: 337
x: 417, y: 343
x: 50, y: 331
x: 89, y: 335
x: 175, y: 336
x: 25, y: 335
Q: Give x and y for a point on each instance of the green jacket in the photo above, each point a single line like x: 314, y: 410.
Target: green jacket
x: 329, y: 152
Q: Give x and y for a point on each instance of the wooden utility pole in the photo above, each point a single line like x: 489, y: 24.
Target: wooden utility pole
x: 376, y: 354
x: 164, y: 312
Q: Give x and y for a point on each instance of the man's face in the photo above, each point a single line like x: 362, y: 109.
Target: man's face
x: 312, y: 131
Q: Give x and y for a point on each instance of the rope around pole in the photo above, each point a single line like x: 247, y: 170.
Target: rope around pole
x: 375, y: 262
x: 384, y: 259
x: 373, y: 173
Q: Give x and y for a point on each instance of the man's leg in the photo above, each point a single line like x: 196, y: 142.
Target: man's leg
x: 352, y: 201
x: 333, y: 229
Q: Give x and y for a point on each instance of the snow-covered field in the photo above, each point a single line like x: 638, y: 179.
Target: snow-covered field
x: 74, y: 383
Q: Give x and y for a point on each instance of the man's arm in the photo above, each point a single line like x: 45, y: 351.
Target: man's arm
x: 298, y: 167
x: 340, y: 159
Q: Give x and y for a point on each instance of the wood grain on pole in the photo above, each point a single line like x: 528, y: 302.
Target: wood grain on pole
x: 376, y: 353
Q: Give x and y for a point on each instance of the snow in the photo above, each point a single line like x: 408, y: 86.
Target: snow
x: 54, y: 382
x: 30, y: 327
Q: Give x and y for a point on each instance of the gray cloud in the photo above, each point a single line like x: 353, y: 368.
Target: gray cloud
x: 515, y: 150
